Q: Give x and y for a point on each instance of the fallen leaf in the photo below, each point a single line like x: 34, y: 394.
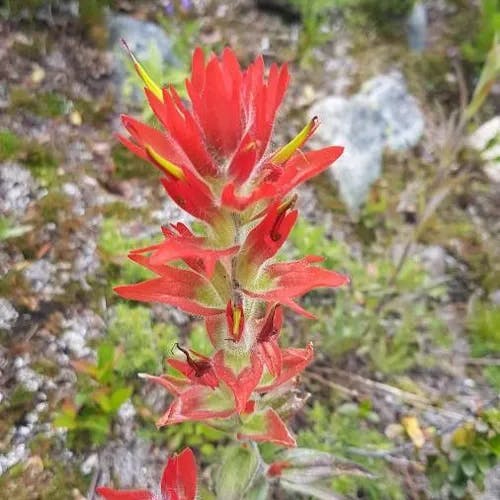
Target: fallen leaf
x: 75, y: 118
x: 38, y: 74
x: 412, y: 428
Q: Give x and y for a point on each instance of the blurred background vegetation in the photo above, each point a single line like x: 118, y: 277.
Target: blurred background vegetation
x: 407, y: 370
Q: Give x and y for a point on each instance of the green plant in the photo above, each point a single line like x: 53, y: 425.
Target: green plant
x: 483, y: 325
x: 386, y: 16
x: 350, y: 428
x: 465, y: 455
x: 101, y: 393
x: 9, y: 230
x: 113, y: 245
x: 10, y: 144
x: 314, y: 15
x: 144, y: 344
x: 353, y: 324
x: 488, y: 28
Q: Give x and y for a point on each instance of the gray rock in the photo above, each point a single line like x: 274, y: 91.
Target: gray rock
x: 127, y: 464
x: 381, y: 115
x: 139, y: 36
x: 8, y: 315
x: 78, y: 329
x: 434, y: 260
x: 42, y: 277
x: 495, y: 297
x: 491, y: 485
x: 17, y: 189
x: 417, y: 27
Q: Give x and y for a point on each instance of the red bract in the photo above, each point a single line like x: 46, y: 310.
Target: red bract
x: 293, y: 279
x: 178, y: 482
x: 214, y: 157
x: 181, y: 244
x: 215, y: 152
x: 184, y: 288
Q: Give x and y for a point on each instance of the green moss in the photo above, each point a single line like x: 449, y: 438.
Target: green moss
x: 46, y: 105
x: 95, y: 111
x: 128, y: 166
x: 45, y: 367
x: 119, y: 210
x: 114, y: 247
x: 14, y: 407
x: 50, y: 480
x: 386, y: 16
x: 40, y: 159
x: 54, y: 205
x: 145, y: 345
x: 483, y: 327
x: 10, y: 144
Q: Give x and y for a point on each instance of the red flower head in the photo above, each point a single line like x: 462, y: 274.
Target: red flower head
x: 178, y: 482
x: 214, y: 156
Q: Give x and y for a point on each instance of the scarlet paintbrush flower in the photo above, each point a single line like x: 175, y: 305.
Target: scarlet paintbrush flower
x: 216, y: 152
x: 216, y: 164
x: 178, y: 482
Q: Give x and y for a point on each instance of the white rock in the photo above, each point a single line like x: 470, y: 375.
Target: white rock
x: 90, y: 464
x: 486, y: 133
x: 8, y: 315
x: 381, y: 115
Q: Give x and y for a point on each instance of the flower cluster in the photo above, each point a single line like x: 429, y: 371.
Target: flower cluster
x: 216, y: 163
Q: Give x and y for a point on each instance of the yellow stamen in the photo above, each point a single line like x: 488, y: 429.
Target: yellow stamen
x: 287, y: 150
x: 144, y: 76
x: 236, y: 319
x: 168, y: 166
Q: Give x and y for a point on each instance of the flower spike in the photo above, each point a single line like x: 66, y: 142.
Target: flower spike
x: 214, y: 159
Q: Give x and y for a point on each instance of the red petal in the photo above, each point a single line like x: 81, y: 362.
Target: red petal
x: 293, y: 279
x: 232, y: 199
x: 186, y: 248
x: 294, y: 361
x: 197, y: 403
x: 187, y: 132
x: 192, y: 195
x: 160, y: 142
x: 304, y: 166
x: 276, y: 468
x: 243, y: 384
x: 179, y: 477
x: 272, y: 357
x: 110, y: 494
x: 177, y: 287
x: 275, y: 431
x: 265, y: 239
x: 174, y: 385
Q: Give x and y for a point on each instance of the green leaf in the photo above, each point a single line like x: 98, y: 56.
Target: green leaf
x: 315, y: 491
x: 259, y: 490
x: 458, y: 490
x: 236, y: 473
x: 495, y: 444
x: 483, y: 463
x: 65, y: 421
x: 105, y: 362
x: 118, y: 397
x: 468, y: 465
